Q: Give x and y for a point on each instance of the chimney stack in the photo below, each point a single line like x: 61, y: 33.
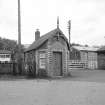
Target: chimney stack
x: 37, y: 34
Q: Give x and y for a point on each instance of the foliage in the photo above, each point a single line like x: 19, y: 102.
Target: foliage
x: 7, y: 44
x: 75, y: 44
x: 11, y: 45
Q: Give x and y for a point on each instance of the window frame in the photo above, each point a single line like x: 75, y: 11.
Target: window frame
x: 42, y: 60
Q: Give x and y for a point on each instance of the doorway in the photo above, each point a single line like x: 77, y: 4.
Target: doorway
x: 57, y: 63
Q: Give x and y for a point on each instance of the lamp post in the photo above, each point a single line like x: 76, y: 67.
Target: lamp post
x: 19, y: 40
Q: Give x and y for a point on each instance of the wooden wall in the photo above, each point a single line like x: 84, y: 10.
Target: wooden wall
x: 83, y: 59
x: 101, y: 60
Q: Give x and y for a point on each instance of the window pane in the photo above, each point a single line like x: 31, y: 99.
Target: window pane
x: 7, y: 56
x: 42, y: 60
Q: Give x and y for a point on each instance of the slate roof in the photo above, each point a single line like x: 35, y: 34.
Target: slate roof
x: 42, y: 39
x: 83, y: 48
x: 101, y: 49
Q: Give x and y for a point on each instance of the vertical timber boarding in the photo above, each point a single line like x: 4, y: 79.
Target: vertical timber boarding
x: 101, y: 61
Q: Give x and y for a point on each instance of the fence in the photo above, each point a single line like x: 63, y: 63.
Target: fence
x: 6, y: 68
x: 76, y: 64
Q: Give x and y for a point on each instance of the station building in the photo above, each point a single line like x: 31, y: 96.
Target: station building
x: 48, y: 54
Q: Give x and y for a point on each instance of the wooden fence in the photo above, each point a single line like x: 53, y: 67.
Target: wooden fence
x: 6, y: 68
x: 76, y: 64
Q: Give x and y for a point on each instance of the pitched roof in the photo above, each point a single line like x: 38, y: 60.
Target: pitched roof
x: 101, y: 49
x: 42, y: 39
x: 83, y: 48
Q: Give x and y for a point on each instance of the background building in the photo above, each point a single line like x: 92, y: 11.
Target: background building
x: 83, y: 57
x: 5, y: 56
x: 101, y: 58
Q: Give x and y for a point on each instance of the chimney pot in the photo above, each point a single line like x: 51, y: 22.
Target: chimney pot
x: 37, y: 34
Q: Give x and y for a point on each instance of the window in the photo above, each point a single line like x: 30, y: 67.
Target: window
x: 7, y: 56
x: 42, y: 60
x: 2, y: 56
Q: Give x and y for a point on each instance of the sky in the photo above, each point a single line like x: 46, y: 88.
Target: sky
x: 87, y: 19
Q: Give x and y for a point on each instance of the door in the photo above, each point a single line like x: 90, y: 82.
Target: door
x: 57, y: 63
x: 101, y: 61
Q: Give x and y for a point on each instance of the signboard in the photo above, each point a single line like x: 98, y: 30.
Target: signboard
x: 42, y: 55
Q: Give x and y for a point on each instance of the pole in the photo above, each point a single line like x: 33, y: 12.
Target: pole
x: 58, y: 27
x: 19, y: 40
x: 69, y: 29
x: 19, y: 26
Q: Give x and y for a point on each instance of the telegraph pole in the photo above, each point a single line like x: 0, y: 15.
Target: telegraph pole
x: 58, y: 27
x: 19, y: 40
x: 69, y: 29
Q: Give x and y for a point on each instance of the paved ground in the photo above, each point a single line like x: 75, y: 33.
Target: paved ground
x: 83, y: 88
x: 88, y: 75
